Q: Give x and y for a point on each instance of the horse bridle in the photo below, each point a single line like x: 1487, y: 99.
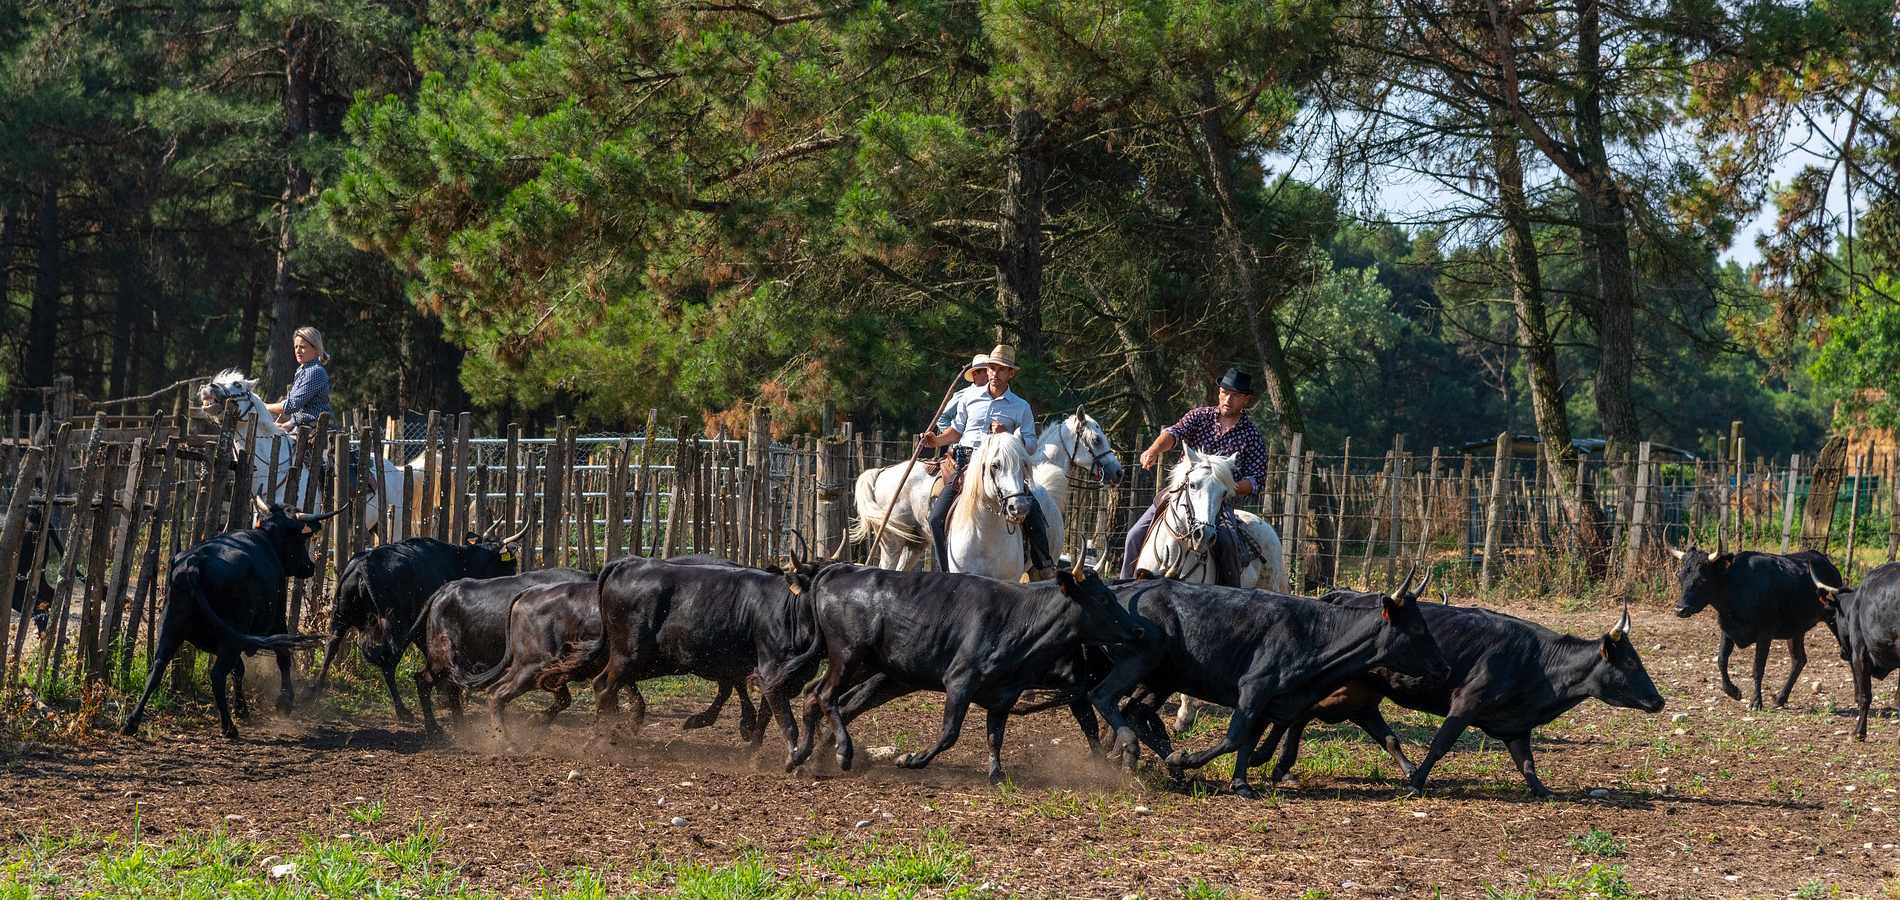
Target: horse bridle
x: 1095, y: 459
x: 1192, y: 524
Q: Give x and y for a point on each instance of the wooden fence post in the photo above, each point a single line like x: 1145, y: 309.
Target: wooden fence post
x: 551, y: 493
x: 673, y: 502
x: 1639, y: 513
x: 1787, y: 505
x: 644, y: 489
x: 148, y: 565
x: 1494, y: 510
x: 12, y: 535
x: 134, y: 504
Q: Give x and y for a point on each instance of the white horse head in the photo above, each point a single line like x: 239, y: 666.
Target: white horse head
x: 998, y: 480
x: 1200, y: 484
x: 1080, y: 442
x: 231, y: 385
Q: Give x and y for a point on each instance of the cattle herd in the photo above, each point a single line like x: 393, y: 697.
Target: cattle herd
x: 842, y: 639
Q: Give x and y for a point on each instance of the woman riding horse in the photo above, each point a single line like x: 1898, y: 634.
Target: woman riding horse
x: 972, y: 416
x: 309, y: 394
x: 1224, y: 429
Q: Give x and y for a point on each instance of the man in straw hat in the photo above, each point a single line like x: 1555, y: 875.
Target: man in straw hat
x: 1224, y: 429
x: 987, y: 407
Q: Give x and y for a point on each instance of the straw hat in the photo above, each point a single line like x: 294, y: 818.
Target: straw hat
x: 979, y: 361
x: 1003, y: 355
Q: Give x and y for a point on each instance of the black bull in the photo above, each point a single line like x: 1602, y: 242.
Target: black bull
x: 1508, y: 677
x: 383, y: 590
x: 464, y: 627
x: 983, y: 642
x: 698, y: 616
x: 228, y: 598
x: 1269, y: 656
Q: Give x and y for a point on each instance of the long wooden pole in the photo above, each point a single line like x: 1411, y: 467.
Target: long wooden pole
x: 916, y: 447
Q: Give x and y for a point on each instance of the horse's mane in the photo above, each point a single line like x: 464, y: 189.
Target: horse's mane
x: 1007, y: 448
x: 1222, y: 468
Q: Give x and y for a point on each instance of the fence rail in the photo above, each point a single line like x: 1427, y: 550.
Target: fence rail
x: 119, y: 494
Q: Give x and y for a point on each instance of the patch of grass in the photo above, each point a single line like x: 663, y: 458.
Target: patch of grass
x: 1815, y: 890
x: 937, y: 861
x: 1201, y: 890
x: 368, y: 813
x: 1599, y: 882
x: 1597, y: 842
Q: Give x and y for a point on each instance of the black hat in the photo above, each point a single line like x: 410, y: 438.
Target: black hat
x: 1237, y: 381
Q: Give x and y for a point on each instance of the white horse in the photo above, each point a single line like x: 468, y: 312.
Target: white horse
x: 1073, y: 444
x: 275, y: 444
x: 1181, y: 541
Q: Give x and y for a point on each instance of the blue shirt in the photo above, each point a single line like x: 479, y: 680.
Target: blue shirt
x: 309, y: 395
x: 957, y: 399
x: 974, y: 411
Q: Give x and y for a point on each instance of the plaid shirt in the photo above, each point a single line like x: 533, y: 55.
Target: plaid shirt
x: 309, y: 394
x: 1200, y: 429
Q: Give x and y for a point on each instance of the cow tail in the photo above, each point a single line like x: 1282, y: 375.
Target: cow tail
x: 420, y: 624
x: 483, y: 680
x: 804, y: 619
x: 188, y: 586
x: 577, y: 659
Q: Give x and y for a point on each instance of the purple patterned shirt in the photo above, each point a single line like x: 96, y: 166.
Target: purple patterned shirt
x: 1200, y: 429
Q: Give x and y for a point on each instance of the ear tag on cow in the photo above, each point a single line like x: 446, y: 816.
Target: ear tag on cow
x: 507, y: 556
x: 1385, y: 612
x: 307, y: 530
x: 795, y: 589
x: 471, y: 541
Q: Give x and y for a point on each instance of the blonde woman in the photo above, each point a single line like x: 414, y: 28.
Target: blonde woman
x: 309, y: 394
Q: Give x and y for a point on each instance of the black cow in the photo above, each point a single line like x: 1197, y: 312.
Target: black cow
x: 542, y: 621
x: 226, y: 592
x: 1759, y: 598
x: 1866, y: 622
x: 712, y: 618
x: 887, y: 634
x: 464, y: 628
x: 1269, y: 656
x: 383, y: 590
x: 1508, y: 677
x: 40, y: 603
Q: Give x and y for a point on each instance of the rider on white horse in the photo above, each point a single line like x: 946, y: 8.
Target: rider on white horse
x: 973, y: 415
x: 1224, y: 429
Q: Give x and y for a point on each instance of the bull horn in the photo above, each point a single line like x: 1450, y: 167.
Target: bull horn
x: 801, y: 546
x: 1406, y: 585
x: 844, y: 540
x: 1078, y: 570
x: 1831, y: 591
x: 318, y: 517
x: 1622, y: 625
x: 517, y: 535
x: 491, y: 529
x: 262, y: 507
x: 1420, y: 590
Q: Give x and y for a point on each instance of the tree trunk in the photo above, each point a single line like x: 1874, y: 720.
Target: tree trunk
x: 125, y: 304
x: 286, y: 303
x: 42, y: 332
x: 247, y: 327
x: 1540, y: 351
x: 1019, y: 264
x: 1218, y: 164
x: 1147, y: 380
x: 1607, y: 219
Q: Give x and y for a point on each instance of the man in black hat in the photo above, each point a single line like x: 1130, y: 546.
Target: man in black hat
x: 1224, y: 429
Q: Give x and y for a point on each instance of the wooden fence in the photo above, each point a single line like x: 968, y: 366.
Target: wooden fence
x: 125, y: 492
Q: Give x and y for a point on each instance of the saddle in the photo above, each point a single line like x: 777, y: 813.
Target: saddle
x: 945, y: 470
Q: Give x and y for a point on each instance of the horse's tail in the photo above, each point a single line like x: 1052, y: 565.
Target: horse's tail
x: 872, y: 515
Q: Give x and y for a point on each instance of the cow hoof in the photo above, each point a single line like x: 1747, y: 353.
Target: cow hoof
x: 403, y: 716
x: 696, y: 720
x: 996, y: 776
x: 1245, y: 791
x: 1176, y: 760
x: 129, y: 729
x: 1541, y: 792
x: 1754, y: 704
x: 230, y: 733
x: 911, y: 761
x: 1288, y: 783
x: 1733, y: 692
x: 284, y: 705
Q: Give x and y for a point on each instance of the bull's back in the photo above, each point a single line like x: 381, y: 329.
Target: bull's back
x: 1874, y: 620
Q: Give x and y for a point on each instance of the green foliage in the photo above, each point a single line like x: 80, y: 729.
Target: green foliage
x: 1598, y: 882
x: 1597, y: 842
x: 1859, y: 366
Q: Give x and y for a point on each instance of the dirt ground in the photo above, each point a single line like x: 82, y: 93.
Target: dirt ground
x: 1705, y: 799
